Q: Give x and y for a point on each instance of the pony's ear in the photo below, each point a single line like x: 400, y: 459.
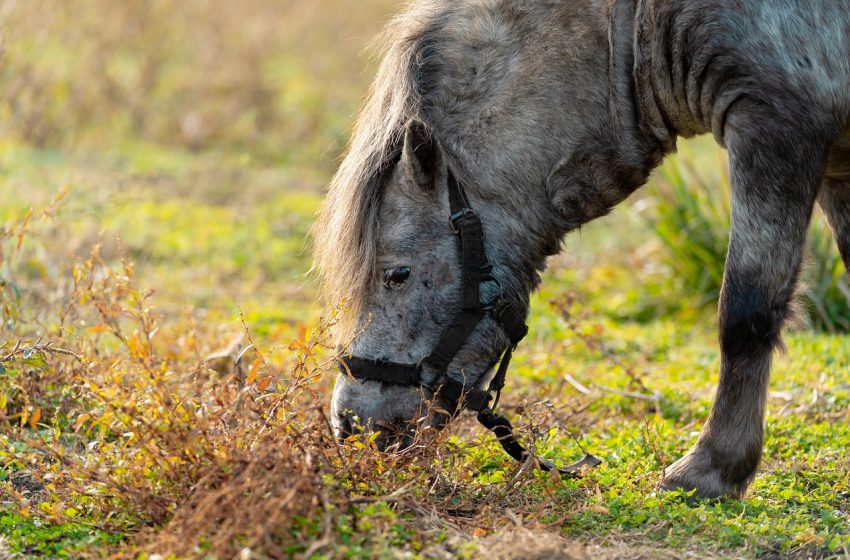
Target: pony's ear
x: 422, y: 156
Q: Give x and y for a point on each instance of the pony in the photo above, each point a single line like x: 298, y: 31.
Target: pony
x: 536, y: 117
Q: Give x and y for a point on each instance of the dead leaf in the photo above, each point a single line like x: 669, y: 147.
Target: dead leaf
x: 254, y: 369
x: 81, y: 419
x: 36, y: 416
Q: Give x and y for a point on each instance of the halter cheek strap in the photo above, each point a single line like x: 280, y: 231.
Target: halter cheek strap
x: 475, y: 271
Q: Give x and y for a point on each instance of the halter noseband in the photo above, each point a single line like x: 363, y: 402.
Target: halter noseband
x: 475, y: 271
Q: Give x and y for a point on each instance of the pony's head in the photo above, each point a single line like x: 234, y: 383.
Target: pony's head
x: 476, y: 105
x: 430, y: 318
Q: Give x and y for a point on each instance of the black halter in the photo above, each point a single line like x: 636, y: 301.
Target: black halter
x: 475, y: 271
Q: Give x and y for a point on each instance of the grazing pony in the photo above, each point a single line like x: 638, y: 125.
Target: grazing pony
x: 521, y: 120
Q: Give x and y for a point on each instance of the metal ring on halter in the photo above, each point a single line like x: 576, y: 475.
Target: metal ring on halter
x: 459, y: 215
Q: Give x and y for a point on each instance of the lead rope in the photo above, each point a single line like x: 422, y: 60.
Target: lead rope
x: 468, y: 226
x: 504, y: 431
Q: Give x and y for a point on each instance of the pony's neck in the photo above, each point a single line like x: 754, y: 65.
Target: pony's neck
x: 625, y: 137
x: 632, y: 91
x: 641, y: 125
x: 610, y: 153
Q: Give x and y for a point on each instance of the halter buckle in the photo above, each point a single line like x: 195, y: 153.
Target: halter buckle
x: 460, y: 215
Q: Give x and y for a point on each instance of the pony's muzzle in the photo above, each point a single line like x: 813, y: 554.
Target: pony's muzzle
x: 394, y: 436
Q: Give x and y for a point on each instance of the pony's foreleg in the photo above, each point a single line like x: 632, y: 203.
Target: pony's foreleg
x: 834, y: 200
x: 775, y: 177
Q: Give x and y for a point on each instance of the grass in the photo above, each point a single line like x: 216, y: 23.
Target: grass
x: 137, y: 263
x: 31, y: 537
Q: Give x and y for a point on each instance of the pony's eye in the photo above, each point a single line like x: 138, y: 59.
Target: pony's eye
x: 394, y: 278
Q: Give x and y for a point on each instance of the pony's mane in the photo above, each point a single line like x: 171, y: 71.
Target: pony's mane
x: 346, y: 231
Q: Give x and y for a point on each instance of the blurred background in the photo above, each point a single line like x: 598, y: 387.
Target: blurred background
x: 198, y: 136
x: 192, y: 137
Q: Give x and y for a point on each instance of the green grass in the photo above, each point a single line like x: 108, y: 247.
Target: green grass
x: 34, y: 538
x: 799, y: 501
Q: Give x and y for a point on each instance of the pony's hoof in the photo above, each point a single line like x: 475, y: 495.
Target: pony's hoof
x: 695, y: 472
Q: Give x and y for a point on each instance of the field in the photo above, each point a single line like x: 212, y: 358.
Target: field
x: 165, y: 370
